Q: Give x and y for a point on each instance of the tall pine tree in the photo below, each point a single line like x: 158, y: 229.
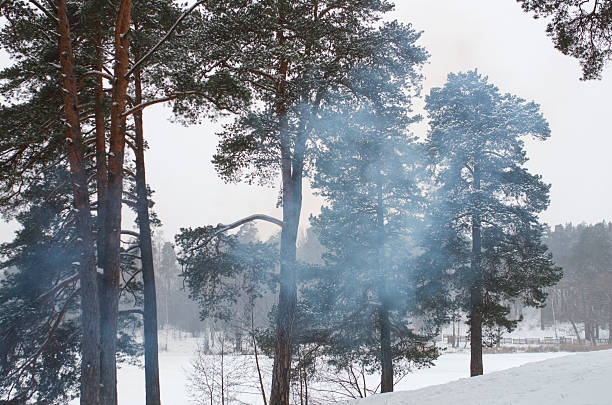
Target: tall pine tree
x: 485, y: 228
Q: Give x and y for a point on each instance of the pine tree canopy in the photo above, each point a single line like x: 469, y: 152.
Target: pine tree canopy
x: 477, y: 145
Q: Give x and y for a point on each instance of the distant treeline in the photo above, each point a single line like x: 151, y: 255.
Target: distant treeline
x: 583, y: 297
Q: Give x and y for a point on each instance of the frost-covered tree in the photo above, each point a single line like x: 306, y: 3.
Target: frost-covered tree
x: 485, y: 233
x: 581, y: 29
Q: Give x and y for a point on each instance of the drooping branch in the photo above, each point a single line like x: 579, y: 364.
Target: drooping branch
x: 224, y: 228
x: 164, y: 38
x: 95, y: 73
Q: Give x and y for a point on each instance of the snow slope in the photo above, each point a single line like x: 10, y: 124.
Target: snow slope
x: 577, y: 379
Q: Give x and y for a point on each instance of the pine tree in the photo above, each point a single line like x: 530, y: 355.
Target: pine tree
x: 485, y: 228
x: 368, y: 171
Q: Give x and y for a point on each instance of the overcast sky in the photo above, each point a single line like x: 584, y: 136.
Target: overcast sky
x: 494, y: 36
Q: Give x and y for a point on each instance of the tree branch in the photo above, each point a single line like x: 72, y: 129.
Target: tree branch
x: 159, y: 100
x: 224, y: 228
x: 164, y: 38
x: 43, y: 9
x: 51, y: 293
x: 131, y: 311
x: 131, y: 233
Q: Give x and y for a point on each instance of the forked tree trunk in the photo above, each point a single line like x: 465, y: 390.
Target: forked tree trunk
x: 476, y: 367
x: 112, y: 269
x: 90, y: 340
x: 146, y: 259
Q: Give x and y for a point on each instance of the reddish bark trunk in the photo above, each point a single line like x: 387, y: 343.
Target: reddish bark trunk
x: 90, y: 360
x: 101, y: 168
x: 110, y: 297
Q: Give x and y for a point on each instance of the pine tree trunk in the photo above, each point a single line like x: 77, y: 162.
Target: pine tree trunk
x: 90, y: 343
x: 146, y: 259
x: 476, y: 367
x: 292, y: 172
x: 101, y: 169
x: 112, y: 269
x: 386, y: 357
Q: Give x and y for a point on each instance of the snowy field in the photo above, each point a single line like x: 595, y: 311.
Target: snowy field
x: 578, y: 379
x: 175, y: 365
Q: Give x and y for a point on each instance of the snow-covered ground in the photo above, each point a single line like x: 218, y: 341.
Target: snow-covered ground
x: 577, y: 379
x: 175, y: 364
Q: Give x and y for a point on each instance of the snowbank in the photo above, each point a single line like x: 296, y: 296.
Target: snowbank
x: 576, y: 379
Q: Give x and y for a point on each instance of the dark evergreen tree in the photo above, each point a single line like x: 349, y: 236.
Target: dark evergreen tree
x: 581, y: 29
x: 39, y: 298
x: 485, y: 230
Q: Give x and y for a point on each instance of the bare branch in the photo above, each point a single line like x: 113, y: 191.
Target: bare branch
x: 159, y: 100
x: 164, y: 38
x: 51, y: 293
x: 224, y: 228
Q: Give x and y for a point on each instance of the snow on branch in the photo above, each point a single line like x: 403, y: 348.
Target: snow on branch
x: 96, y: 73
x: 164, y: 38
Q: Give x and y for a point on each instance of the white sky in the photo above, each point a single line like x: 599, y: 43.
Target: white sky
x: 494, y: 36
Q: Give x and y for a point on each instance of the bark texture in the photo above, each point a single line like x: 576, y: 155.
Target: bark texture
x: 112, y: 262
x: 386, y: 357
x: 90, y: 341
